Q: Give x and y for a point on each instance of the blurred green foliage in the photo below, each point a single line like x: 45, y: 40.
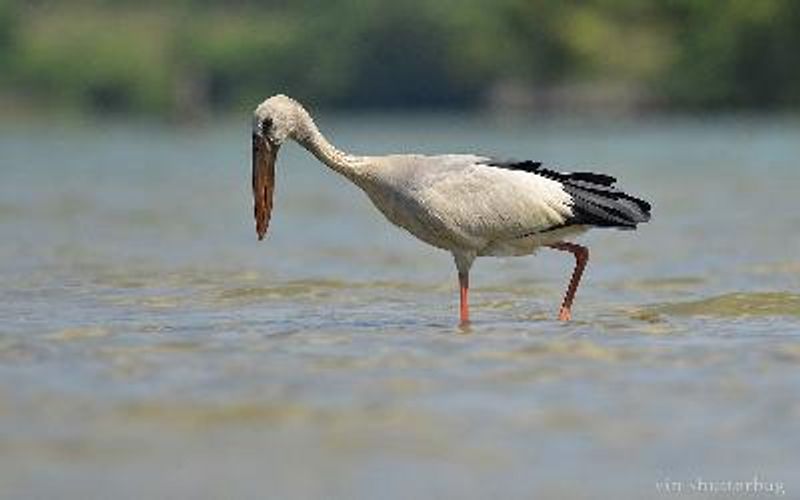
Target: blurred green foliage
x: 196, y: 56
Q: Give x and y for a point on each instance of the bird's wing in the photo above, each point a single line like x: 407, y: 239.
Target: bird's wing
x: 495, y: 201
x: 488, y: 203
x: 595, y: 199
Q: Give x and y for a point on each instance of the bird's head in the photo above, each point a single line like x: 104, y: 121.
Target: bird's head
x: 277, y: 118
x: 274, y: 120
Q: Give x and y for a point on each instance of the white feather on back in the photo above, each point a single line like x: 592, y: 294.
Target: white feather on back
x: 496, y: 204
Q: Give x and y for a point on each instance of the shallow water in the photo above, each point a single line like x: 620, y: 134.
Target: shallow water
x: 151, y: 348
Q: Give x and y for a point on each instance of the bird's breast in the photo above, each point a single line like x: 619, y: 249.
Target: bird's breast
x: 408, y: 208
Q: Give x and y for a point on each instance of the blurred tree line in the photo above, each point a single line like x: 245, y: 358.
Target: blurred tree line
x: 199, y: 56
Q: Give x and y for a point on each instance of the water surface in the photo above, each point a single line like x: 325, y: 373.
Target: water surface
x: 151, y: 348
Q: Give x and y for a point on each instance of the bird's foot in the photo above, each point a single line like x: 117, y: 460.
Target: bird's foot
x: 564, y: 314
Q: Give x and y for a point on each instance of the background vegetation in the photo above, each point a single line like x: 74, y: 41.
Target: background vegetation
x: 192, y: 57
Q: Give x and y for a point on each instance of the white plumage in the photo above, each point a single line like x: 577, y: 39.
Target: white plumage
x: 468, y: 205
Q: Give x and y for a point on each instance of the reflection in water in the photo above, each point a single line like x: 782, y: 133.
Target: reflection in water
x: 149, y: 344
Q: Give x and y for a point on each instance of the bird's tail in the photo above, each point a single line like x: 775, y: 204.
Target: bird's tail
x: 596, y: 202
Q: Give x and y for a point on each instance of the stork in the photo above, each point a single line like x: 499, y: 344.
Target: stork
x: 469, y: 205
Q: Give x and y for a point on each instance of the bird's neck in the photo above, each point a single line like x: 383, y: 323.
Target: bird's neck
x: 309, y: 136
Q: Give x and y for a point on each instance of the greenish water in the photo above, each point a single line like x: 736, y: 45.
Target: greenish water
x: 151, y: 348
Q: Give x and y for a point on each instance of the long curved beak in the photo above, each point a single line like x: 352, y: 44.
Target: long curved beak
x: 264, y: 155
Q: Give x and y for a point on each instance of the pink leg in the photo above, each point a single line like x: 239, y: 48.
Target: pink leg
x: 463, y: 282
x: 581, y: 254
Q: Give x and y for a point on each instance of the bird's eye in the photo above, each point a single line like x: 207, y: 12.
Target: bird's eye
x: 266, y: 124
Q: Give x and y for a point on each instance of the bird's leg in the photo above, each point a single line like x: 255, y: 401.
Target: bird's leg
x: 464, y: 261
x: 581, y: 254
x: 463, y: 282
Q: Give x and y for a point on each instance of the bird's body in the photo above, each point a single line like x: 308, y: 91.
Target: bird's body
x: 468, y: 205
x: 463, y: 204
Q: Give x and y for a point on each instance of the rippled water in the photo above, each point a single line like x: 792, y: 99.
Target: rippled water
x: 151, y: 348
